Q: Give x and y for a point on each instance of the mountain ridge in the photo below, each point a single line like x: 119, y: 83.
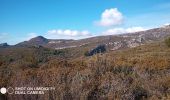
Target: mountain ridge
x: 113, y: 42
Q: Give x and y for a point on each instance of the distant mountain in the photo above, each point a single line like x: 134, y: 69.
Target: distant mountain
x: 39, y: 40
x: 113, y: 42
x: 4, y: 45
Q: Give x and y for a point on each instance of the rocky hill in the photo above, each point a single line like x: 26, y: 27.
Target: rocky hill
x: 113, y: 42
x: 4, y: 45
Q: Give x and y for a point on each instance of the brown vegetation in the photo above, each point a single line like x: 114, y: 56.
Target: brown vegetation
x: 141, y: 73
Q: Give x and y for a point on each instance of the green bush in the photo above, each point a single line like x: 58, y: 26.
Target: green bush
x: 167, y: 42
x: 86, y: 53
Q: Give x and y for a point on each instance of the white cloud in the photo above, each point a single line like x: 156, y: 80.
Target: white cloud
x: 134, y: 29
x: 116, y: 31
x: 67, y: 34
x: 110, y: 17
x: 30, y: 36
x: 166, y: 24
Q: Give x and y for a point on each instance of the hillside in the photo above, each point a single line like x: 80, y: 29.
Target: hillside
x: 138, y: 73
x: 133, y: 74
x: 113, y: 42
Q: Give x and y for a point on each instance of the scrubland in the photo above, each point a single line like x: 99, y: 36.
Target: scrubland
x: 140, y: 73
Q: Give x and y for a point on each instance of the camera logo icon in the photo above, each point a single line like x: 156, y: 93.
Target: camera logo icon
x: 3, y: 90
x: 8, y: 90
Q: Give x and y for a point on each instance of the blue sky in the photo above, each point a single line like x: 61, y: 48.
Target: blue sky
x: 23, y: 19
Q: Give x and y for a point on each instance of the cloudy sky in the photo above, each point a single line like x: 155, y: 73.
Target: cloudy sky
x: 75, y: 19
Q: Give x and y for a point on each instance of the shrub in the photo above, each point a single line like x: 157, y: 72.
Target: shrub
x: 167, y: 41
x: 140, y: 93
x: 86, y: 53
x: 98, y: 49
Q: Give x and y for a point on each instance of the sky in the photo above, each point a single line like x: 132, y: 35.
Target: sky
x: 21, y: 20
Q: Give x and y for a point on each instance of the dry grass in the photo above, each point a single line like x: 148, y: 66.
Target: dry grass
x: 137, y: 73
